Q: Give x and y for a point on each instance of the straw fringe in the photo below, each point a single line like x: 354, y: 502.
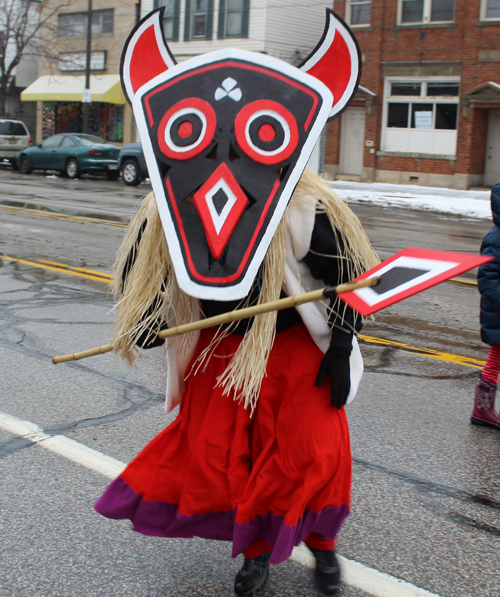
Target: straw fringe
x: 151, y: 286
x: 246, y: 370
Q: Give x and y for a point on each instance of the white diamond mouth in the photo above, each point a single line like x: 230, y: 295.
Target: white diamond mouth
x: 219, y: 219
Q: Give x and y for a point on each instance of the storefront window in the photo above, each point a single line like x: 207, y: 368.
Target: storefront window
x: 422, y: 116
x: 106, y: 120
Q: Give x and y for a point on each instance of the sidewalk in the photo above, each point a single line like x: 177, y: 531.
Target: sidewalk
x: 472, y: 204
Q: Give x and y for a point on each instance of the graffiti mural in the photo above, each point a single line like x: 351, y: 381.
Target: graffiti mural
x: 48, y: 119
x: 69, y: 117
x: 106, y: 121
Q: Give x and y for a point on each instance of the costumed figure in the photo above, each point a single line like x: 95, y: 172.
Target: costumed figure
x: 488, y: 280
x: 259, y: 453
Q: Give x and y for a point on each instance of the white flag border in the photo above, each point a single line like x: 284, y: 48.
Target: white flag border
x: 434, y: 267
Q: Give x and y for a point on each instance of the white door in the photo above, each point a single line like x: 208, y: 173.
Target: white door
x: 492, y: 167
x: 314, y: 160
x: 352, y: 140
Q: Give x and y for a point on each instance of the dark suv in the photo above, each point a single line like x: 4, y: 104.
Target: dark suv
x: 132, y: 165
x: 14, y: 137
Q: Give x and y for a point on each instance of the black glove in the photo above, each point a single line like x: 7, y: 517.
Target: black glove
x: 335, y: 364
x: 149, y: 338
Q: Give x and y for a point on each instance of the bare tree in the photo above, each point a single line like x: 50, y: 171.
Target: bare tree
x: 20, y: 24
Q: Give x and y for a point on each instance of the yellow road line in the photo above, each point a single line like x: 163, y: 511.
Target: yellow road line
x: 79, y: 269
x: 427, y: 352
x: 100, y: 278
x: 83, y: 219
x: 463, y: 281
x: 44, y: 214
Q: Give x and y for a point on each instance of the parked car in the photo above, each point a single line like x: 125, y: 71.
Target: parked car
x: 73, y: 154
x: 132, y: 164
x: 14, y: 136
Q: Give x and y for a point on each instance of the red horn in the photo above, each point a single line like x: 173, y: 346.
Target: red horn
x: 336, y: 62
x: 145, y: 54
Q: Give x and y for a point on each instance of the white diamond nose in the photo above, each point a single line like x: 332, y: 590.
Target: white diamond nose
x: 228, y: 89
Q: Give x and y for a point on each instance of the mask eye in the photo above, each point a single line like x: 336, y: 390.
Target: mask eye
x: 186, y: 129
x: 267, y: 132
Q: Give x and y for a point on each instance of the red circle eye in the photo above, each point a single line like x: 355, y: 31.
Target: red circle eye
x: 267, y: 132
x: 186, y: 129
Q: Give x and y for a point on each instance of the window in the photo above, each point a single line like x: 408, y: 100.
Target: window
x: 52, y: 142
x: 426, y: 11
x: 490, y: 9
x: 73, y: 24
x: 199, y: 16
x: 102, y: 21
x: 170, y: 18
x: 68, y: 142
x: 421, y: 116
x: 90, y: 139
x: 8, y: 127
x: 78, y: 60
x: 233, y: 18
x: 359, y: 12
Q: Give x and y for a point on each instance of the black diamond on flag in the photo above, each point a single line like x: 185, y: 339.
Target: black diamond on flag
x: 397, y: 276
x: 410, y: 271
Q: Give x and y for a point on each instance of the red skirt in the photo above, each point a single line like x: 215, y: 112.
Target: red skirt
x: 218, y: 473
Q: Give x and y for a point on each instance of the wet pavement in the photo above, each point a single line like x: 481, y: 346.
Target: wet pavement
x: 426, y: 486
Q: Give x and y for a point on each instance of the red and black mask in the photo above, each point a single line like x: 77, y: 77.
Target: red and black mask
x: 226, y: 137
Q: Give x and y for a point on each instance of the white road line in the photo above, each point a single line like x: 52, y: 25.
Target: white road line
x: 64, y: 446
x: 354, y: 574
x: 364, y: 578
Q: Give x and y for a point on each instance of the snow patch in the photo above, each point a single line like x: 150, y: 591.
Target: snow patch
x: 472, y: 204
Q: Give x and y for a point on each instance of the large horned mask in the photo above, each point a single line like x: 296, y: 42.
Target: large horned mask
x: 226, y: 137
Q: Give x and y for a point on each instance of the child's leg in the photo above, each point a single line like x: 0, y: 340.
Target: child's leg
x: 491, y: 370
x: 486, y: 387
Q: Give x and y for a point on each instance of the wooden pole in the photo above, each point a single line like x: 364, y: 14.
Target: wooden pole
x: 286, y: 303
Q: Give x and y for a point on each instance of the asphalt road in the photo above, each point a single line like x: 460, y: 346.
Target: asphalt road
x: 426, y: 489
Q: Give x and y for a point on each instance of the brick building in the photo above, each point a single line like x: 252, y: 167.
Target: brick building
x: 428, y: 107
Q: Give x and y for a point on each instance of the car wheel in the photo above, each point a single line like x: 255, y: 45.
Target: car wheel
x: 13, y: 163
x: 130, y: 173
x: 72, y: 168
x: 113, y: 174
x: 25, y: 165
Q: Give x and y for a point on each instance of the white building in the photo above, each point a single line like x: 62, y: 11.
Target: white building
x: 287, y: 29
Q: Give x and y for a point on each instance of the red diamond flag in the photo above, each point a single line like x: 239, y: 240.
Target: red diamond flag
x: 408, y: 272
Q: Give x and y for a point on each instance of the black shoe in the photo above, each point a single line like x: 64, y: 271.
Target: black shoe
x: 253, y: 574
x: 327, y: 573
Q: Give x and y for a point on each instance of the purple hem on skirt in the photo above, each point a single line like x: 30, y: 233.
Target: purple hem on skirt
x: 161, y: 519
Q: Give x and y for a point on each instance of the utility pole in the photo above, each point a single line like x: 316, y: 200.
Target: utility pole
x: 86, y: 97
